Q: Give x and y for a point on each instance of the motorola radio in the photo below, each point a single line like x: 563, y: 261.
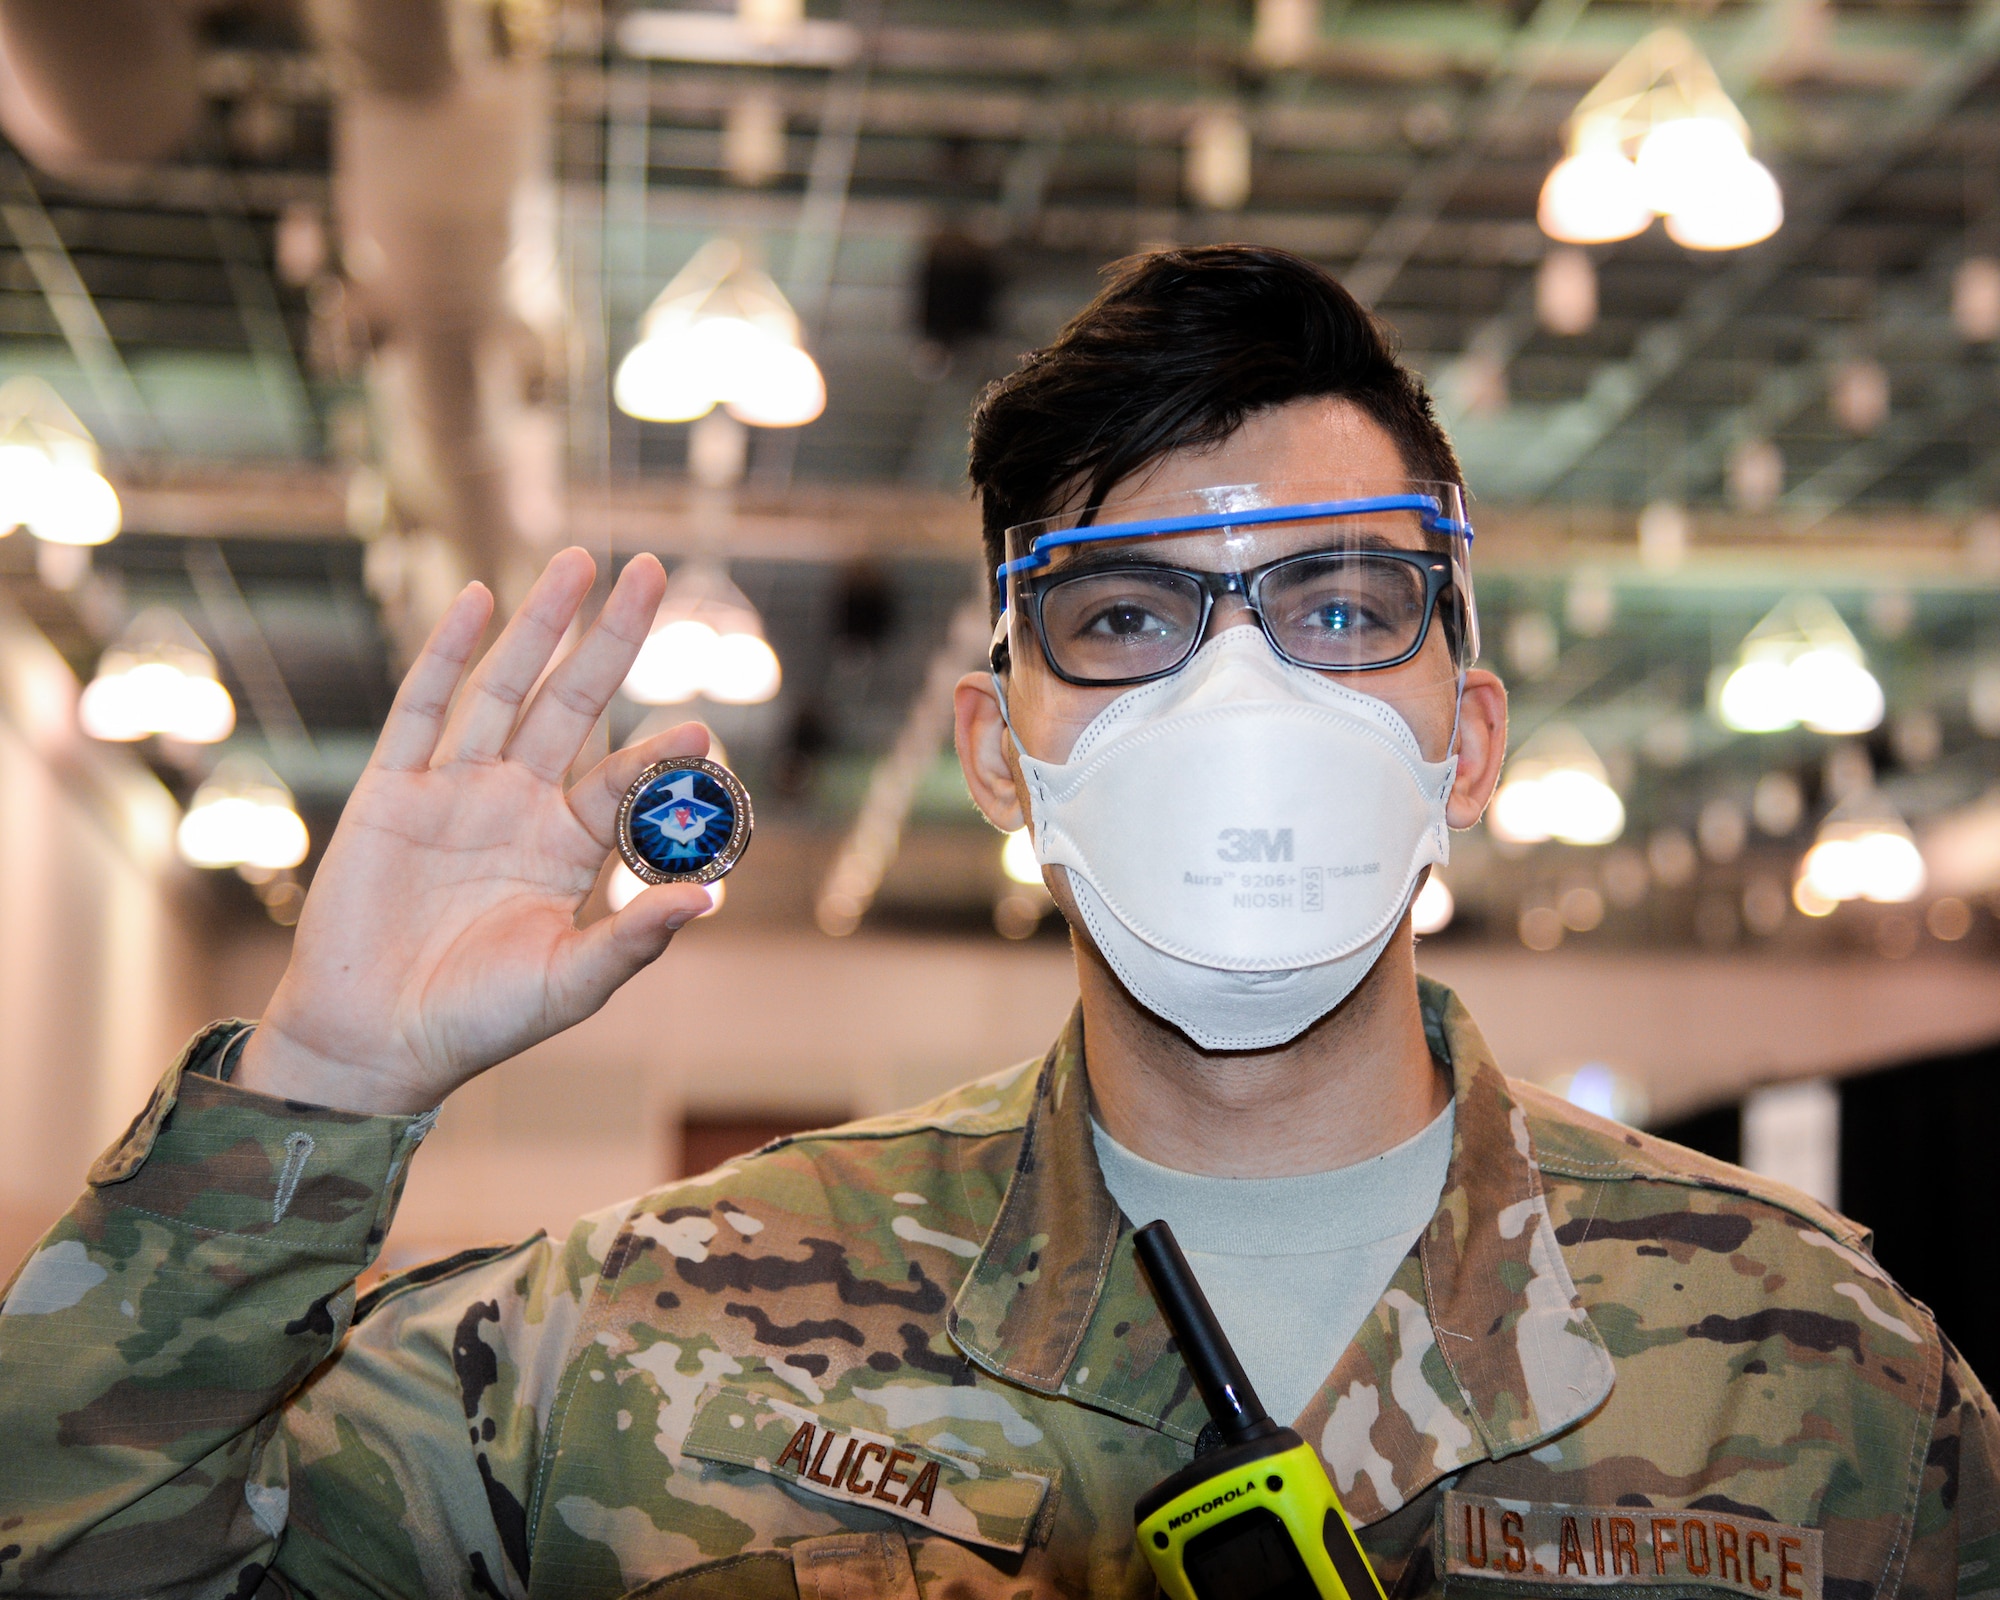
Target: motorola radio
x: 1255, y: 1517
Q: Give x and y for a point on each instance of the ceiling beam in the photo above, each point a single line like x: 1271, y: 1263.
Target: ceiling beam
x: 847, y: 521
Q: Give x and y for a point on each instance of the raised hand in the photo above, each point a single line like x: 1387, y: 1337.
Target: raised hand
x: 439, y: 937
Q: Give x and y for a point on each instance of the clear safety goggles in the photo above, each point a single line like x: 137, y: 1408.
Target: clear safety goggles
x: 1341, y: 577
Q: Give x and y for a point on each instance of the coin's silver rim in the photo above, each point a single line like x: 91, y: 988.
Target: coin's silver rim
x: 726, y: 858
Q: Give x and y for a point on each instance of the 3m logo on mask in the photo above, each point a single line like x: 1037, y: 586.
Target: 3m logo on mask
x: 1255, y: 844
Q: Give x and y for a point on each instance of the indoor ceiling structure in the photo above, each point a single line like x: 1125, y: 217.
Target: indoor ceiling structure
x: 282, y: 331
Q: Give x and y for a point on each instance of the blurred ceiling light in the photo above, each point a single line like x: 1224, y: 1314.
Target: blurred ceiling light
x: 1891, y: 609
x: 1982, y: 698
x: 1756, y: 475
x: 1864, y: 852
x: 1284, y: 31
x: 1859, y: 395
x: 1532, y: 643
x: 720, y: 334
x: 771, y: 19
x: 49, y: 482
x: 1738, y: 205
x: 1557, y: 789
x: 243, y: 816
x: 1433, y: 909
x: 1477, y: 383
x: 1801, y: 664
x: 1218, y: 160
x: 1566, y: 293
x: 157, y: 679
x: 1017, y: 858
x: 1540, y: 927
x: 1975, y: 299
x: 1593, y: 196
x: 707, y: 639
x: 300, y: 247
x: 1659, y: 136
x: 1949, y: 919
x: 1590, y: 602
x: 753, y: 139
x: 1670, y: 854
x: 1777, y: 803
x: 759, y: 34
x: 1722, y: 829
x: 1581, y: 908
x: 1626, y: 878
x: 1663, y: 536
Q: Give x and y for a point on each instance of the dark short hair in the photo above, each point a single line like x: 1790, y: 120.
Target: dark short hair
x: 1179, y: 348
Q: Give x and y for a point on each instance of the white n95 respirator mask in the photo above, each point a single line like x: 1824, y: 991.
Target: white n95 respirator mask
x: 1242, y: 838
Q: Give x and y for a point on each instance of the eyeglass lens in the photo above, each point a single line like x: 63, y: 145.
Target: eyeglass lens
x: 1346, y: 610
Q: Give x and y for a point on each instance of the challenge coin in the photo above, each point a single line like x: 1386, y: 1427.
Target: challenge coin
x: 684, y: 821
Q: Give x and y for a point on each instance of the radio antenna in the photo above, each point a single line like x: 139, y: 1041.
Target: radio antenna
x: 1218, y: 1375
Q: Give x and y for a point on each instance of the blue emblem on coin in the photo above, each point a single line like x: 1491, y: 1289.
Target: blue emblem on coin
x: 684, y: 821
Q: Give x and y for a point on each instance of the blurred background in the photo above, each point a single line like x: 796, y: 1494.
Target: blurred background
x: 309, y: 311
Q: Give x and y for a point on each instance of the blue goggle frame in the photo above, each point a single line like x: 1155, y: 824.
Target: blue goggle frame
x: 1429, y: 507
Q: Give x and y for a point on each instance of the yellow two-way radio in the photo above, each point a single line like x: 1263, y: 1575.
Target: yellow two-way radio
x: 1255, y: 1518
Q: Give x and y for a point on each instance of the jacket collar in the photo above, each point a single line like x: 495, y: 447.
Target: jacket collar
x: 1478, y: 1348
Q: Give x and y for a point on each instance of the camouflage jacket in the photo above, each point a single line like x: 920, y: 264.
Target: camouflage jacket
x: 913, y: 1357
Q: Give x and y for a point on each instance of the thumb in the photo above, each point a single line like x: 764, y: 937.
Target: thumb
x: 593, y: 962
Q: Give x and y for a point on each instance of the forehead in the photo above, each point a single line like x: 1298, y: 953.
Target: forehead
x: 1305, y: 441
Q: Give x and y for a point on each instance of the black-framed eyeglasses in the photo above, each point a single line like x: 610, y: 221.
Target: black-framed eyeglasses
x: 1347, y: 611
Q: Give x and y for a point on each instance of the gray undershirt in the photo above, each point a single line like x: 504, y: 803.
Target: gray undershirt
x: 1291, y: 1265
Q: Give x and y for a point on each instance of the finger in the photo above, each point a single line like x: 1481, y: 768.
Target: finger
x: 595, y: 797
x: 411, y: 731
x: 567, y: 705
x: 593, y: 962
x: 486, y: 711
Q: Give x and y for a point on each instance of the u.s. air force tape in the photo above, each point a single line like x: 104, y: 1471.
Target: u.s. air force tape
x: 684, y: 821
x: 1505, y: 1542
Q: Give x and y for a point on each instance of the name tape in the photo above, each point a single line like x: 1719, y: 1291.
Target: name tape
x: 978, y: 1500
x: 1505, y: 1541
x: 864, y: 1471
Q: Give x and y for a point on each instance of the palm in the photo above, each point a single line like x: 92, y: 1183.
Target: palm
x: 440, y: 936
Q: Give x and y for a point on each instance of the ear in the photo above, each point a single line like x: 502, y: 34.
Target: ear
x: 984, y: 751
x: 1482, y: 746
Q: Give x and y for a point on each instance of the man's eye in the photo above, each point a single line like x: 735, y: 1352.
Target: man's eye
x: 1125, y: 619
x: 1342, y: 614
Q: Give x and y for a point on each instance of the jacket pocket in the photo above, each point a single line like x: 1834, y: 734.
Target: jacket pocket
x: 761, y: 1575
x: 855, y: 1566
x: 836, y: 1566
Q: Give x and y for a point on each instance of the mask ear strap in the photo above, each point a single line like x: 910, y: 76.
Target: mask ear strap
x: 1451, y: 745
x: 1000, y: 694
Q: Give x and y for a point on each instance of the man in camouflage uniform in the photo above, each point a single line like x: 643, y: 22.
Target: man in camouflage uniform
x: 911, y: 1356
